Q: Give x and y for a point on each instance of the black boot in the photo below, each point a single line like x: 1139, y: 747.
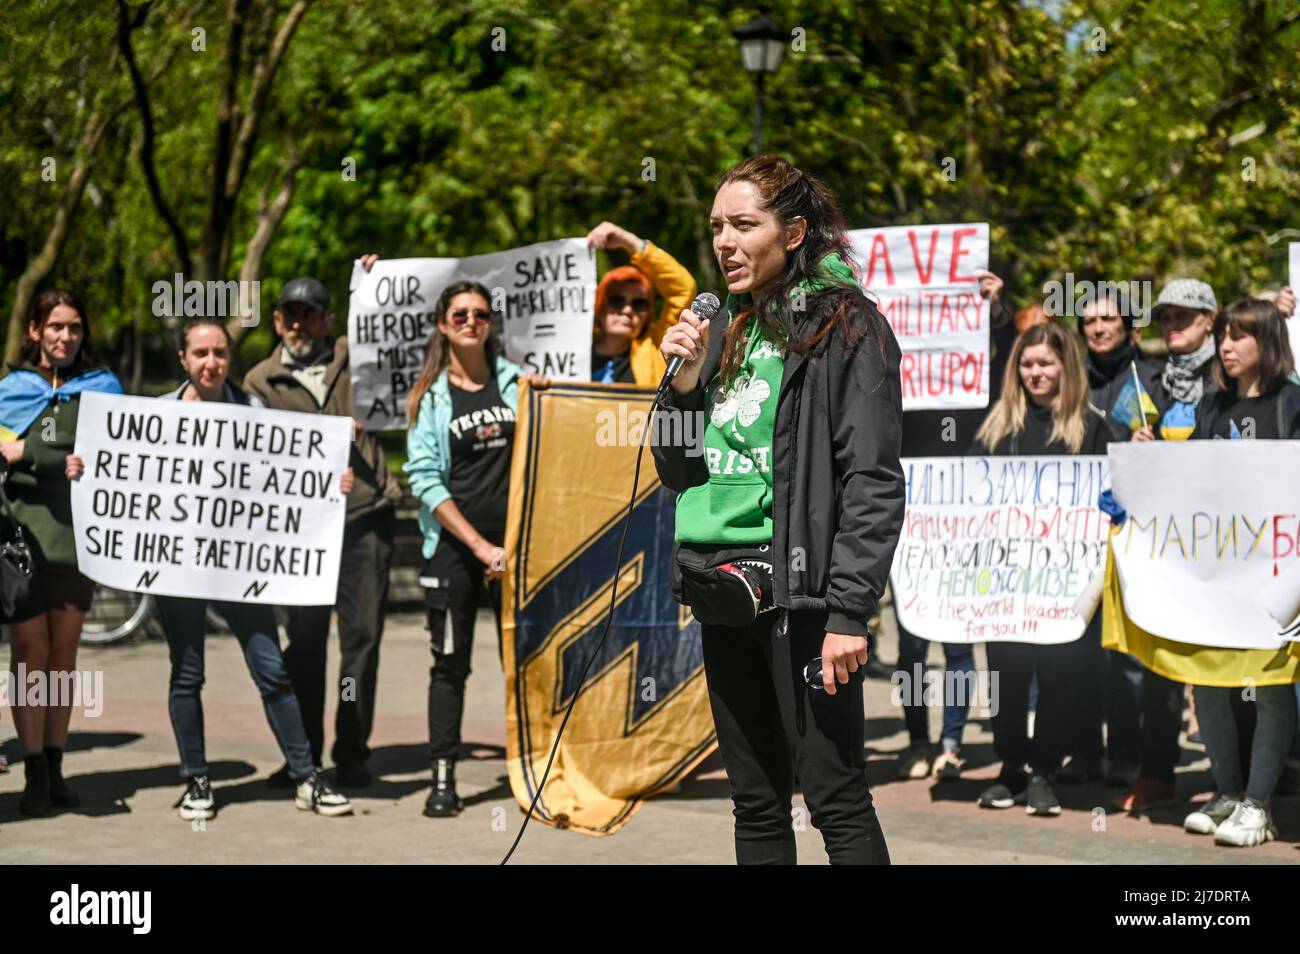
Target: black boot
x: 36, y: 795
x: 443, y: 802
x: 61, y: 795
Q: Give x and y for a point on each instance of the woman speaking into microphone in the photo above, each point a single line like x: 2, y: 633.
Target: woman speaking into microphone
x: 789, y: 513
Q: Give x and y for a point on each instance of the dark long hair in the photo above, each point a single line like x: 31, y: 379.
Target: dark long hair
x: 436, y: 353
x: 45, y: 303
x: 791, y: 194
x: 1262, y: 321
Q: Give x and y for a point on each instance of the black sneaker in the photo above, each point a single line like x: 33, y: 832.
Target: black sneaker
x: 197, y: 802
x: 352, y: 775
x: 314, y: 794
x: 1007, y: 791
x: 1040, y: 797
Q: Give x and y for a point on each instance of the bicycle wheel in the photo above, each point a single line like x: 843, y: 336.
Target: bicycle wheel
x: 115, y: 615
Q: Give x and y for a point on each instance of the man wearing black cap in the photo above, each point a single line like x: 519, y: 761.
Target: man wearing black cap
x: 308, y: 371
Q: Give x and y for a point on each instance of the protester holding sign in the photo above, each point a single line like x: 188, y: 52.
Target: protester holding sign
x: 1256, y: 400
x: 816, y: 530
x: 39, y: 402
x: 205, y: 357
x: 461, y: 435
x: 1043, y: 410
x: 309, y: 372
x: 625, y: 348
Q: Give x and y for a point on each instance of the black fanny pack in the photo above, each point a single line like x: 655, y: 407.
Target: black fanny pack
x: 726, y: 586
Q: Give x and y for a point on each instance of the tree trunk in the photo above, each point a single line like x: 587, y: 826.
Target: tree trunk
x: 39, y: 267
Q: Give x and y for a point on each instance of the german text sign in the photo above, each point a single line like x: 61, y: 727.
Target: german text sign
x: 208, y: 500
x: 998, y: 548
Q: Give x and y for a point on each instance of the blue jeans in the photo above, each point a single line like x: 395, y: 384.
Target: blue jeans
x: 254, y: 626
x: 959, y: 660
x: 1275, y: 726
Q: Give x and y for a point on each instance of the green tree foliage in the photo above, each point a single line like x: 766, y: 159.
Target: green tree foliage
x: 1122, y: 139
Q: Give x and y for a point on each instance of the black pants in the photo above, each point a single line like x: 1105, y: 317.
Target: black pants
x: 1064, y: 714
x: 1143, y: 719
x: 451, y: 607
x: 362, y: 592
x: 772, y: 727
x: 1088, y: 668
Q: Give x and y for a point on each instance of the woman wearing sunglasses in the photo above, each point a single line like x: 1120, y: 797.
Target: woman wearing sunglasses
x: 625, y: 348
x: 461, y: 412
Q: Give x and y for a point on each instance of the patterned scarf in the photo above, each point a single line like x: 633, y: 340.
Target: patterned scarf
x: 1183, y: 377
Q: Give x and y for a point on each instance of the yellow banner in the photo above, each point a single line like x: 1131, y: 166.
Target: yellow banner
x: 642, y: 721
x: 1186, y: 662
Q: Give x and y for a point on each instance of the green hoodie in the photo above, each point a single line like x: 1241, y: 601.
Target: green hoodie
x: 734, y: 507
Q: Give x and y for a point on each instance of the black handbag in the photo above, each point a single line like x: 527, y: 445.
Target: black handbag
x: 726, y: 586
x: 16, y: 565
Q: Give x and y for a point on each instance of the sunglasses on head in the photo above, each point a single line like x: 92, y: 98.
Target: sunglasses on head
x: 462, y: 315
x: 619, y: 302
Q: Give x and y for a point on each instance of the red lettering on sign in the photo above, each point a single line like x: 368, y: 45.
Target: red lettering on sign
x: 879, y: 249
x: 926, y: 273
x: 957, y: 253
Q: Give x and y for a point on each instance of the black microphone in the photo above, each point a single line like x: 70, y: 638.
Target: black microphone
x: 705, y: 306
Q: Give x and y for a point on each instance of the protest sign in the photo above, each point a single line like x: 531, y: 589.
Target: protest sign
x: 209, y: 500
x: 543, y: 293
x: 926, y: 279
x: 999, y: 549
x: 1198, y: 554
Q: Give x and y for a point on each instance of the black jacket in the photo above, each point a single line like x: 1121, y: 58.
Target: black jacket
x: 1105, y: 384
x: 1034, y: 439
x: 838, y: 487
x: 1286, y: 410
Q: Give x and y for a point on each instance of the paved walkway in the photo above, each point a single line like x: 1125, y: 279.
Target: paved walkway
x: 124, y: 764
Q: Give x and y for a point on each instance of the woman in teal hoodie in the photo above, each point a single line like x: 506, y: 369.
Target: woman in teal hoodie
x: 461, y: 412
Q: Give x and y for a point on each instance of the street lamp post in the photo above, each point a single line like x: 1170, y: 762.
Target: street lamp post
x: 762, y: 44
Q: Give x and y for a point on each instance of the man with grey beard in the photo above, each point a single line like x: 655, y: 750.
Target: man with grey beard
x: 309, y: 371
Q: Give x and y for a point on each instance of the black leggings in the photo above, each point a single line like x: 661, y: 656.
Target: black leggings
x: 451, y: 608
x: 771, y: 726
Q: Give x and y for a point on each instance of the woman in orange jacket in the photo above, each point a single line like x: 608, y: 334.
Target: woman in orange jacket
x: 625, y: 348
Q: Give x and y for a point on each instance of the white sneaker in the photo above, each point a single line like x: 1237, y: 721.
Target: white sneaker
x: 314, y: 794
x: 1250, y: 824
x: 197, y: 803
x: 1207, y: 818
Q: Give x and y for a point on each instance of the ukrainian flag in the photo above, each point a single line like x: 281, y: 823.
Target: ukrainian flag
x: 1133, y: 406
x: 1185, y: 662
